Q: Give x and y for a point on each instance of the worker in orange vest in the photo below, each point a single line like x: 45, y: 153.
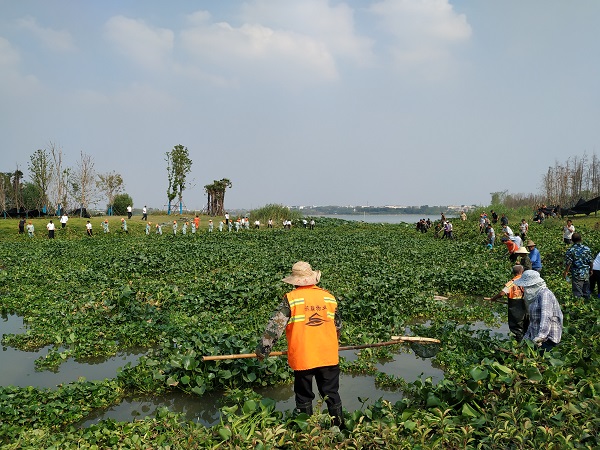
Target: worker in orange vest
x: 518, y: 315
x: 312, y: 323
x: 511, y: 247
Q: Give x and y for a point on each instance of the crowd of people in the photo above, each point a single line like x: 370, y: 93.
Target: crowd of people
x: 534, y: 313
x: 181, y: 226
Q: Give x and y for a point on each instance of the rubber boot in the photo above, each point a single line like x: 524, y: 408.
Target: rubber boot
x: 306, y: 408
x: 335, y: 411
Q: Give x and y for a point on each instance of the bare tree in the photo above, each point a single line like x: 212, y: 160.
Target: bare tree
x: 60, y: 178
x: 41, y: 171
x: 3, y: 188
x: 83, y: 181
x: 110, y: 184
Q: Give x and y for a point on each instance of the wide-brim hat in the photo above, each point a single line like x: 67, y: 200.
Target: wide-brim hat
x: 529, y: 278
x: 530, y: 243
x: 522, y: 251
x: 303, y: 275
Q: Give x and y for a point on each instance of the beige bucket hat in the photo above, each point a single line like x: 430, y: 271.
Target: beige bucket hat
x: 303, y: 275
x: 522, y: 251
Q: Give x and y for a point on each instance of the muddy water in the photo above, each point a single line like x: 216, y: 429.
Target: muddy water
x: 356, y: 392
x: 18, y: 367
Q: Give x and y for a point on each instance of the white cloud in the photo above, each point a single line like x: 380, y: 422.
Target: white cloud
x: 12, y: 81
x: 333, y: 26
x: 60, y: 41
x: 148, y: 46
x: 424, y: 30
x: 260, y: 50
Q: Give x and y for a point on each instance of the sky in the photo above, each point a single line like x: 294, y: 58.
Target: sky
x: 312, y: 102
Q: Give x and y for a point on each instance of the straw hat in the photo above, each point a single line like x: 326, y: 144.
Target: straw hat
x: 530, y: 243
x: 529, y: 278
x: 303, y: 275
x: 522, y: 251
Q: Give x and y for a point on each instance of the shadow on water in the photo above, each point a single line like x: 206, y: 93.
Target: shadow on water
x: 18, y: 367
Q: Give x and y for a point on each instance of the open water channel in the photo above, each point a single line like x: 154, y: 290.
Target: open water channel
x: 18, y: 369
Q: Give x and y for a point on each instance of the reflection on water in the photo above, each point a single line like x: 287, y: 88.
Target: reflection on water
x: 204, y: 410
x: 409, y: 366
x: 18, y: 367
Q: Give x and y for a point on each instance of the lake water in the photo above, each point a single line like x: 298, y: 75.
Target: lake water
x: 386, y: 218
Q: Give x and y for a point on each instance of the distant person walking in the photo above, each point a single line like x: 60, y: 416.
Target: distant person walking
x: 50, y: 227
x: 22, y: 226
x: 595, y: 277
x: 30, y: 229
x: 88, y: 228
x: 524, y: 229
x: 534, y: 256
x: 568, y: 231
x: 129, y: 211
x: 144, y: 213
x: 579, y: 263
x: 63, y: 220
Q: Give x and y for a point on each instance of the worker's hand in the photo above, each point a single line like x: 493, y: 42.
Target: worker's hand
x: 260, y: 356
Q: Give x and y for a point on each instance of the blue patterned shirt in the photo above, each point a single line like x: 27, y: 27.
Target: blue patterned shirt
x: 545, y: 318
x: 579, y: 258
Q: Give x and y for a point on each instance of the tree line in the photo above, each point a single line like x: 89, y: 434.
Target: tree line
x: 563, y: 185
x: 54, y: 187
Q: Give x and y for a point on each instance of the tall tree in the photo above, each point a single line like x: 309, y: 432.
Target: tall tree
x: 179, y: 165
x: 216, y: 196
x: 41, y: 171
x: 82, y: 182
x: 110, y: 184
x: 16, y: 178
x: 4, y: 188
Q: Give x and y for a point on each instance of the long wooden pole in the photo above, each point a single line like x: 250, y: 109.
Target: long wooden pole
x: 395, y: 341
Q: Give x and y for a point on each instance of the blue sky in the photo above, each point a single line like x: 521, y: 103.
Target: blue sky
x: 312, y: 102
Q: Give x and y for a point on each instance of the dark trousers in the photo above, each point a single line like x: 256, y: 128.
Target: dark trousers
x: 595, y: 282
x: 581, y: 288
x: 328, y: 384
x: 518, y: 318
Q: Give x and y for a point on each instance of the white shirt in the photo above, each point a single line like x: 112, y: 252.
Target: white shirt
x: 596, y: 264
x: 64, y: 218
x: 50, y: 226
x: 568, y: 231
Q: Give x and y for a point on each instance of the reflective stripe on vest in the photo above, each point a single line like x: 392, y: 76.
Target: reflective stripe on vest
x: 311, y: 334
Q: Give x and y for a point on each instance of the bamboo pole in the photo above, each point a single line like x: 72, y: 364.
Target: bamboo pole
x: 395, y: 341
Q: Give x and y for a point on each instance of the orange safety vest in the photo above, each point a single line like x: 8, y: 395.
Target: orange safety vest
x: 514, y: 292
x: 311, y: 333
